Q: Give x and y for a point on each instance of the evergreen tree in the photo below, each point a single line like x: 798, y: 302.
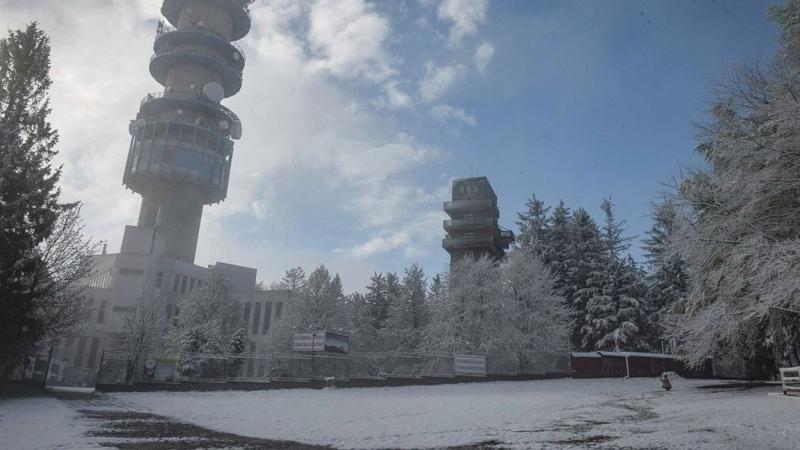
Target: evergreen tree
x: 533, y: 226
x: 42, y: 252
x: 614, y: 314
x: 294, y: 279
x: 408, y: 314
x: 668, y: 276
x: 585, y: 263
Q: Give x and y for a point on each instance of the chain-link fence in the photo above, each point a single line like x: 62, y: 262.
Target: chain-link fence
x: 308, y: 366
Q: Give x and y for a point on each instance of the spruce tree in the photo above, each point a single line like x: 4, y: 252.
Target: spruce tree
x: 30, y: 278
x: 408, y: 314
x: 668, y: 276
x: 533, y: 226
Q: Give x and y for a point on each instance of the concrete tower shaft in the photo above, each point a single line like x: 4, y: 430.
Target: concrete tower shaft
x: 182, y: 139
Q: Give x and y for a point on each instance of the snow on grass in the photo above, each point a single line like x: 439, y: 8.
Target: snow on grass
x: 33, y: 423
x: 532, y: 414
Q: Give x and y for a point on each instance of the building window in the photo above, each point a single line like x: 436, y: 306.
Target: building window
x: 278, y: 310
x: 184, y: 279
x: 267, y: 317
x: 256, y: 317
x: 159, y: 278
x: 191, y: 284
x: 131, y: 272
x: 92, y: 353
x: 101, y: 313
x: 79, y: 353
x: 247, y: 313
x: 177, y: 283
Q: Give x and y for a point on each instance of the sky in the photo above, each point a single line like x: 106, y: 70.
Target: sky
x: 357, y: 114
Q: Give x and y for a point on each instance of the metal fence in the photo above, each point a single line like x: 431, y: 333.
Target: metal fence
x: 308, y: 366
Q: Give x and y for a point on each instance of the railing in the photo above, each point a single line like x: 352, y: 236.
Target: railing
x: 466, y: 223
x: 468, y: 204
x: 165, y: 28
x: 196, y: 96
x: 301, y: 366
x: 790, y: 380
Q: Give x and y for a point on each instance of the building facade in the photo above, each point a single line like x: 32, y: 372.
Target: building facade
x: 473, y: 229
x: 179, y: 160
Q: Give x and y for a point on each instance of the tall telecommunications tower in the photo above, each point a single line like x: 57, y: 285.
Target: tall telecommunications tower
x: 182, y: 139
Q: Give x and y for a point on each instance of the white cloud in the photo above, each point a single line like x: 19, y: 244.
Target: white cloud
x: 395, y: 97
x: 483, y: 55
x: 347, y: 36
x: 465, y: 16
x: 303, y: 133
x: 444, y: 113
x: 439, y: 79
x: 412, y: 237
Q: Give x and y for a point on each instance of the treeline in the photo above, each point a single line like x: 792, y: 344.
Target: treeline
x: 479, y: 307
x: 613, y: 303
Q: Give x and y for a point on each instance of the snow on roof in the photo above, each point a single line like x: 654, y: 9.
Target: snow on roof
x: 637, y: 354
x: 621, y: 355
x: 585, y: 354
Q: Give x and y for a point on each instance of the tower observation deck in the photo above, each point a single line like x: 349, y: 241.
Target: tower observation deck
x: 472, y: 230
x: 182, y: 138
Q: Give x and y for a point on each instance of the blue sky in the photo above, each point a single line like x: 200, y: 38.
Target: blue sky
x: 358, y: 113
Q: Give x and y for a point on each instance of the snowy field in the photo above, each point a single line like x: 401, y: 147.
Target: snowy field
x: 565, y: 413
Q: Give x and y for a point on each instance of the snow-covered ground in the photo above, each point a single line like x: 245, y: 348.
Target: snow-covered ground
x: 40, y: 423
x: 533, y: 414
x: 564, y: 413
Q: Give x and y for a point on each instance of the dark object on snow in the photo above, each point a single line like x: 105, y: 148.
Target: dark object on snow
x: 665, y: 381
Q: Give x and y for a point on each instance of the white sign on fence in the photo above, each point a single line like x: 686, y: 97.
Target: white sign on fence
x: 309, y: 342
x: 469, y: 364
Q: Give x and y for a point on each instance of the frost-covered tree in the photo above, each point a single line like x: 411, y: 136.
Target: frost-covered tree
x: 141, y: 329
x: 615, y: 311
x: 209, y: 322
x: 536, y: 310
x: 43, y: 254
x: 318, y: 304
x: 533, y: 226
x: 474, y: 316
x: 738, y: 216
x: 294, y: 279
x: 408, y: 314
x: 584, y: 260
x: 667, y: 276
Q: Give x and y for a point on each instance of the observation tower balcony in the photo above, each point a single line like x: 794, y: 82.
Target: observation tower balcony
x: 157, y: 103
x: 171, y: 54
x: 238, y: 9
x: 177, y: 151
x: 166, y: 34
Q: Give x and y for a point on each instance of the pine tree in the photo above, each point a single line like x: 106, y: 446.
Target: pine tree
x: 533, y: 226
x: 614, y: 314
x: 294, y: 279
x: 42, y: 252
x: 585, y: 263
x: 408, y: 314
x: 668, y: 276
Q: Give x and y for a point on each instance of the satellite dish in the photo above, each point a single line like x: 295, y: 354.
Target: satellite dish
x: 132, y: 127
x: 224, y: 125
x: 236, y: 131
x: 214, y: 91
x: 236, y: 56
x: 150, y: 364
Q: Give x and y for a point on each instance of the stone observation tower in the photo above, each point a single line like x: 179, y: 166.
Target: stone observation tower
x: 182, y: 139
x: 472, y: 230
